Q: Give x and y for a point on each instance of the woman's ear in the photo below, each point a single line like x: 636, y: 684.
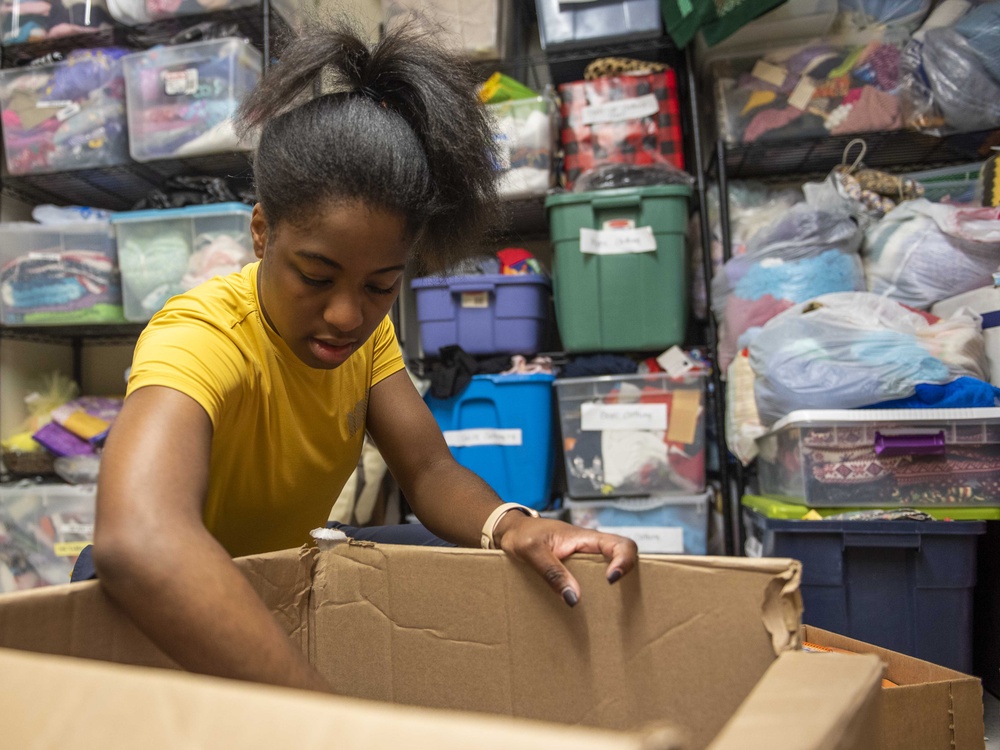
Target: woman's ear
x: 258, y: 230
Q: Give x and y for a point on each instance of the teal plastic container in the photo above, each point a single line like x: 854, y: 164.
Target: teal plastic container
x: 620, y: 289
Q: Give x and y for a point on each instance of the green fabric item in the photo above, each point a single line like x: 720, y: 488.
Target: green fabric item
x: 99, y: 313
x: 718, y: 19
x: 780, y: 510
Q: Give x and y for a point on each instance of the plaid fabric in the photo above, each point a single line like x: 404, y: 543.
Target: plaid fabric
x: 648, y: 140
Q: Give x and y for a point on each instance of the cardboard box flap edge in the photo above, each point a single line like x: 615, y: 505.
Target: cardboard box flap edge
x: 775, y: 713
x: 111, y: 705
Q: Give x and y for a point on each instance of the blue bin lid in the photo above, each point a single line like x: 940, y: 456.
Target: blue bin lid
x: 498, y: 379
x: 426, y: 282
x: 153, y: 214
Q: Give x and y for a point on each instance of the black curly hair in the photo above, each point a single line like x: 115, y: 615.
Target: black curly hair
x: 400, y: 127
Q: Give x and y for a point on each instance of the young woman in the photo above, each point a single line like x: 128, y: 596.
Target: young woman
x: 250, y: 395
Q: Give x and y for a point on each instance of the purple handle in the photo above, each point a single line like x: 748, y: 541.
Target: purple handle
x: 888, y: 446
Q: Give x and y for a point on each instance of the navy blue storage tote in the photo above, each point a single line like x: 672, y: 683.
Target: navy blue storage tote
x: 904, y: 585
x: 500, y: 428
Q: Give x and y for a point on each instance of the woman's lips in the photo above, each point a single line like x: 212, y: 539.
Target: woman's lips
x: 330, y: 352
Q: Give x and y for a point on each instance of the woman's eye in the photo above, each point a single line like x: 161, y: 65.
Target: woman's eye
x: 381, y: 290
x: 314, y: 282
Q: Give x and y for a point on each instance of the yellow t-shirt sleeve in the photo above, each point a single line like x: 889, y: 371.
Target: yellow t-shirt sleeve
x: 194, y: 358
x: 386, y: 357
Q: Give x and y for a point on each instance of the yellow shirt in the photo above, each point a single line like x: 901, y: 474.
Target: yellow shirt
x: 286, y: 436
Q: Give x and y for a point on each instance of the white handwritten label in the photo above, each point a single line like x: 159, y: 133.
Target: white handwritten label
x: 624, y: 109
x: 482, y: 436
x: 600, y: 417
x: 663, y: 540
x: 475, y: 299
x: 617, y: 241
x: 180, y: 82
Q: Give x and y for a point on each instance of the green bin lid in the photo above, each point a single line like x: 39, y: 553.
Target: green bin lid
x: 651, y: 191
x: 780, y: 510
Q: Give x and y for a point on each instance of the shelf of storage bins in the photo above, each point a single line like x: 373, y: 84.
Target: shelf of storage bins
x: 94, y: 333
x: 894, y: 150
x: 261, y: 24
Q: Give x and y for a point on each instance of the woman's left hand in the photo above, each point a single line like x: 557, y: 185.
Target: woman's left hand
x: 545, y: 543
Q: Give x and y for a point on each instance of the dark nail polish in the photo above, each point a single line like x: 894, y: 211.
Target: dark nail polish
x: 614, y: 576
x: 570, y: 597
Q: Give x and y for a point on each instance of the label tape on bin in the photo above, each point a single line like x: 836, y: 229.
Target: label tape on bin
x: 664, y: 540
x: 600, y: 417
x: 617, y: 241
x: 625, y: 109
x: 482, y: 436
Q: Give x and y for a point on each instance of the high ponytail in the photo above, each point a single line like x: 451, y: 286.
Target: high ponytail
x: 398, y: 126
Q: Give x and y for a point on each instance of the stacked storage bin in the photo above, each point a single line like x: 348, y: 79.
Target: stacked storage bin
x: 163, y: 252
x: 634, y: 448
x: 60, y: 273
x: 904, y: 584
x: 500, y: 426
x: 43, y: 527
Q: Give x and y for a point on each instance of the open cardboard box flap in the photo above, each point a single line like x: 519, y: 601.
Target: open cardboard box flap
x: 664, y: 658
x: 932, y: 707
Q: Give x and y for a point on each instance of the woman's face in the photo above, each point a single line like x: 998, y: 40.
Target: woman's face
x: 326, y: 285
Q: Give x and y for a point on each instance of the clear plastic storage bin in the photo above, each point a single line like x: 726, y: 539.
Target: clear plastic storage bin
x: 134, y: 12
x: 479, y: 28
x: 659, y: 525
x: 526, y: 132
x: 66, y: 115
x: 182, y: 99
x: 884, y: 457
x: 633, y: 435
x: 32, y: 21
x: 59, y: 274
x: 163, y: 252
x: 43, y: 528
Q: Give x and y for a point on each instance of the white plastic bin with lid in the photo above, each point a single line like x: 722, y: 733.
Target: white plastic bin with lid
x: 883, y: 458
x: 181, y: 99
x: 479, y: 28
x: 163, y: 252
x: 66, y: 115
x: 633, y: 435
x: 668, y: 525
x: 43, y: 528
x: 525, y: 132
x: 56, y: 274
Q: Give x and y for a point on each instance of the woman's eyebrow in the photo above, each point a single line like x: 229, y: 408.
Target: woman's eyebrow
x: 334, y: 264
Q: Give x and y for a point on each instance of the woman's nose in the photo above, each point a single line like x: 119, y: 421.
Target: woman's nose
x: 343, y: 312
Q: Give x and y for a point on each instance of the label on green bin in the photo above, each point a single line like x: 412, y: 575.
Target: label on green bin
x: 617, y: 241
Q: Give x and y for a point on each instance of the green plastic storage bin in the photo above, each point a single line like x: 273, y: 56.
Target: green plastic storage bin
x: 614, y: 291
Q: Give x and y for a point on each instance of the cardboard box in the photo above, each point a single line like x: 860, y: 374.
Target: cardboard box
x: 933, y: 707
x: 682, y: 653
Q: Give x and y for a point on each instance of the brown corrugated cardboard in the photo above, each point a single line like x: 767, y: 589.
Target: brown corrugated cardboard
x: 934, y: 707
x: 678, y: 645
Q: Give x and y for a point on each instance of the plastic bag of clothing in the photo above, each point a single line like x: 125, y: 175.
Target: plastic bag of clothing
x: 922, y: 252
x: 905, y: 14
x: 847, y: 350
x: 951, y: 74
x: 805, y: 253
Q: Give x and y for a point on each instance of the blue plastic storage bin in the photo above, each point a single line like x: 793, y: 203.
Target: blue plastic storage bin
x: 500, y: 428
x: 483, y: 314
x: 904, y: 585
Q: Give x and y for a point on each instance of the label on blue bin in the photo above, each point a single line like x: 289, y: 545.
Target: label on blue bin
x: 596, y: 417
x: 635, y: 108
x: 663, y: 540
x: 476, y: 300
x: 617, y: 241
x: 482, y: 436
